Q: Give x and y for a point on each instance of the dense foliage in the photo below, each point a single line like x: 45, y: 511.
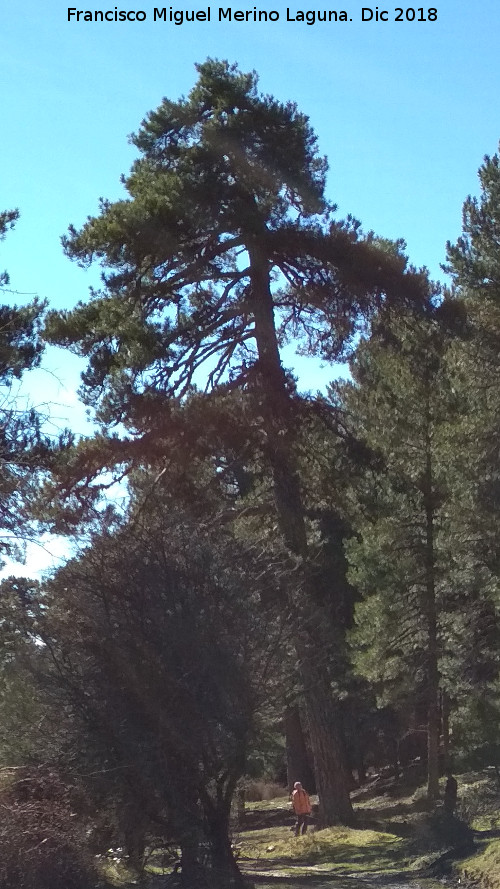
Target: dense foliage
x: 24, y: 449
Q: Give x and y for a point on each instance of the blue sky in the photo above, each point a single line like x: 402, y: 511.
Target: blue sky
x: 404, y: 111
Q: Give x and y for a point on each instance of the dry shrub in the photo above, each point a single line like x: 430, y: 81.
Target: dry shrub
x: 256, y: 791
x: 42, y: 841
x: 478, y: 798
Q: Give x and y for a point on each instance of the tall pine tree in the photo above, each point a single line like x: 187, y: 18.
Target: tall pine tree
x: 223, y: 250
x: 400, y: 404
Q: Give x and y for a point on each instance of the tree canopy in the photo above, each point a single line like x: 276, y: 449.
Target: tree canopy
x: 229, y: 186
x: 24, y: 449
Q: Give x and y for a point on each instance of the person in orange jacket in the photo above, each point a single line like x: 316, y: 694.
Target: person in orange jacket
x: 302, y: 808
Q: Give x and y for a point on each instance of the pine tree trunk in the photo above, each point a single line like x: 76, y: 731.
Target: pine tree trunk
x: 445, y: 724
x: 297, y: 761
x: 332, y: 775
x: 330, y: 768
x: 433, y: 746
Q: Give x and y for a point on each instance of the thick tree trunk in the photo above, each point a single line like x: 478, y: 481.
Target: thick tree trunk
x: 298, y: 767
x: 134, y: 835
x: 190, y: 859
x: 445, y: 728
x: 225, y: 872
x: 207, y: 859
x: 332, y: 776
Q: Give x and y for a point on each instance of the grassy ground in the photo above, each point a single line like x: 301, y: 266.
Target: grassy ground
x: 335, y: 851
x: 398, y: 840
x: 483, y: 868
x: 397, y: 843
x: 480, y: 805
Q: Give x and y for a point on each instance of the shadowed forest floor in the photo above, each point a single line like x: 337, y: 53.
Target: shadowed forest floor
x: 397, y: 843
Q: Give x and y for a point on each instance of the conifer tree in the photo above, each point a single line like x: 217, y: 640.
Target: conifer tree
x: 224, y: 249
x: 474, y: 264
x: 400, y: 405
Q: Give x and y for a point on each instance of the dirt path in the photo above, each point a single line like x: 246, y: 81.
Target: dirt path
x: 311, y: 881
x: 320, y: 878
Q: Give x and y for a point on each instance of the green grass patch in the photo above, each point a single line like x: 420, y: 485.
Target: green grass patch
x: 341, y: 848
x: 264, y: 805
x: 483, y: 867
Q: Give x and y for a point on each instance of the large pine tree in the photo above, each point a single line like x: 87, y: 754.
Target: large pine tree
x: 223, y: 250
